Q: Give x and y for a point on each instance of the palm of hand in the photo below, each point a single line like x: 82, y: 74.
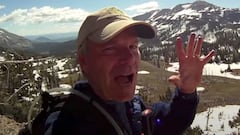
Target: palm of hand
x: 190, y: 64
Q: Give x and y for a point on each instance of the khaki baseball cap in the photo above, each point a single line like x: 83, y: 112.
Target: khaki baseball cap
x: 103, y: 25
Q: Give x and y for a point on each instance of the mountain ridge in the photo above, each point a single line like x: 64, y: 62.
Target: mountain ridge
x: 11, y: 40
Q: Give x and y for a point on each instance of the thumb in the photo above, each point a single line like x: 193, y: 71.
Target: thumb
x: 175, y: 79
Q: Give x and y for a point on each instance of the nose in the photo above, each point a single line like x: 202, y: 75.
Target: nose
x: 127, y: 56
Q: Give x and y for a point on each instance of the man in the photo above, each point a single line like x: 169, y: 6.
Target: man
x: 109, y: 57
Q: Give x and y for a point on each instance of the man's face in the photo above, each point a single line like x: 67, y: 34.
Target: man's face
x: 111, y: 68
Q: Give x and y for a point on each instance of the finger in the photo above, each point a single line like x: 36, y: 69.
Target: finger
x: 175, y: 79
x: 198, y: 46
x: 190, y: 46
x: 179, y: 49
x: 208, y: 57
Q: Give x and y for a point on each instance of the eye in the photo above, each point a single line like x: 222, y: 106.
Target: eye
x: 109, y: 50
x: 133, y: 47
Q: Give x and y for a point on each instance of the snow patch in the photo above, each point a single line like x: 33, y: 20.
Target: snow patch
x: 188, y: 12
x: 2, y: 58
x: 65, y: 86
x: 200, y: 89
x: 218, y: 120
x: 212, y: 69
x: 138, y: 88
x: 143, y: 72
x: 210, y: 37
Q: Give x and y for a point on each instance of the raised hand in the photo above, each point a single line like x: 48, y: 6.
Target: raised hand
x: 190, y: 64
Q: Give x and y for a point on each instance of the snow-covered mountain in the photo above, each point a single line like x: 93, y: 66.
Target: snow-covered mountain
x: 219, y: 26
x: 200, y: 17
x: 14, y: 42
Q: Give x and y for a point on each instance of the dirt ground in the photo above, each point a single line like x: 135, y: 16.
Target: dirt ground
x: 8, y: 126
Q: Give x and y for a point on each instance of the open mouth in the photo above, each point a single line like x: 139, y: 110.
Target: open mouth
x: 125, y: 79
x: 130, y: 78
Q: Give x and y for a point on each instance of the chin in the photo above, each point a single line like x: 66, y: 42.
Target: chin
x: 122, y: 94
x: 125, y: 98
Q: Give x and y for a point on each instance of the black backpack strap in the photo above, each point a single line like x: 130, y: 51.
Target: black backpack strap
x: 49, y: 105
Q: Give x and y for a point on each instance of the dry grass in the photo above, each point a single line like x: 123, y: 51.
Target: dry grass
x: 8, y: 126
x: 236, y: 71
x: 218, y: 90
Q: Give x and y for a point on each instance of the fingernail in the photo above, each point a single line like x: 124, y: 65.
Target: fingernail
x: 193, y: 33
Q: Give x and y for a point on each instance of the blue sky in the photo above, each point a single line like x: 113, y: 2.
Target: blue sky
x: 34, y: 17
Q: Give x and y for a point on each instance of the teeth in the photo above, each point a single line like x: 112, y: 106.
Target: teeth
x: 124, y: 80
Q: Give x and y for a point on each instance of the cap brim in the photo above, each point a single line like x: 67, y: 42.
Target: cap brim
x: 142, y: 29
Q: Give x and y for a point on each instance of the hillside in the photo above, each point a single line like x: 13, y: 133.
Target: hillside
x: 218, y: 90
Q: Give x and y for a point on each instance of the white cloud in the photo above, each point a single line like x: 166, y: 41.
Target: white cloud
x: 2, y: 6
x: 45, y: 14
x: 144, y: 7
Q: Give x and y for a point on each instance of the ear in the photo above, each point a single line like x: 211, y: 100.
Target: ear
x: 82, y: 62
